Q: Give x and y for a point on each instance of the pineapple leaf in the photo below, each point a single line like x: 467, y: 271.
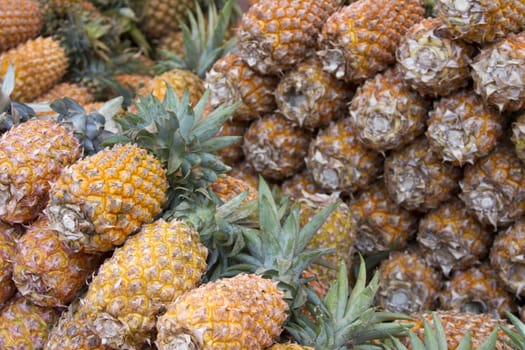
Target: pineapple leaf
x: 465, y: 343
x: 441, y: 337
x: 8, y: 82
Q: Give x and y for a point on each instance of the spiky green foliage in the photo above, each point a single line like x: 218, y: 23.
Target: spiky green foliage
x: 204, y: 41
x: 516, y: 334
x: 11, y: 112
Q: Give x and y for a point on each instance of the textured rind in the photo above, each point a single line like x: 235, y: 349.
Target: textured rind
x: 226, y: 187
x: 431, y: 62
x: 180, y: 80
x: 518, y: 136
x: 462, y: 129
x: 417, y: 178
x: 32, y: 155
x: 242, y: 312
x: 160, y: 17
x: 101, y: 199
x: 231, y: 80
x: 274, y: 36
x: 233, y: 153
x: 75, y: 91
x: 498, y: 72
x: 481, y: 21
x: 300, y: 184
x: 8, y: 235
x: 355, y: 48
x: 21, y: 20
x: 451, y: 239
x: 386, y: 113
x: 39, y: 64
x: 275, y: 147
x: 407, y: 284
x: 153, y: 268
x: 477, y: 290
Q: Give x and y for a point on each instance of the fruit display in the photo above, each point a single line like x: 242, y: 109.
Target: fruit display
x: 262, y: 174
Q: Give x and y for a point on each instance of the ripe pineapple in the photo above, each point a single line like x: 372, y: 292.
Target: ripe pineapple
x: 499, y: 74
x: 338, y: 161
x: 62, y: 7
x: 518, y: 136
x: 462, y: 129
x: 417, y: 178
x: 180, y: 80
x: 233, y: 153
x: 226, y: 187
x: 231, y: 80
x: 481, y: 21
x: 311, y: 97
x: 299, y: 184
x: 21, y: 20
x: 360, y: 39
x: 493, y: 187
x: 289, y: 346
x: 77, y: 92
x: 243, y: 170
x: 431, y: 62
x: 407, y: 283
x: 275, y: 147
x: 24, y: 325
x: 451, y: 239
x: 477, y: 290
x: 386, y: 113
x: 32, y: 156
x: 298, y: 23
x: 39, y: 64
x: 8, y: 236
x: 382, y: 225
x: 45, y: 270
x: 159, y: 17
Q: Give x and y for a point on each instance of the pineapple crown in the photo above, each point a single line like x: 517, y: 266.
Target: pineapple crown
x: 11, y: 112
x: 345, y: 318
x: 204, y: 41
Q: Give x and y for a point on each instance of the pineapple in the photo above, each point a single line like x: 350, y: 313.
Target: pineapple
x: 24, y: 325
x: 518, y: 136
x: 8, y: 236
x: 289, y: 346
x: 243, y: 170
x: 226, y: 187
x: 354, y: 47
x: 477, y: 290
x: 297, y: 23
x: 338, y: 161
x: 32, y: 155
x: 493, y: 187
x: 159, y: 17
x: 311, y: 97
x: 39, y: 64
x: 451, y: 239
x: 462, y: 129
x: 231, y: 80
x: 386, y: 114
x: 45, y: 270
x: 62, y: 7
x: 275, y: 147
x: 75, y: 91
x: 417, y: 179
x: 481, y: 21
x: 233, y: 153
x: 180, y: 80
x: 299, y: 185
x: 407, y: 283
x: 21, y: 20
x: 431, y: 62
x: 499, y: 74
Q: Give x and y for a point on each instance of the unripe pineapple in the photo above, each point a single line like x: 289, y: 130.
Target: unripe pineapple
x: 382, y: 225
x: 481, y: 21
x: 417, y: 178
x: 477, y: 290
x: 498, y: 72
x: 243, y: 312
x: 45, y: 270
x: 386, y: 113
x: 493, y: 188
x: 311, y: 97
x: 462, y: 129
x: 273, y: 36
x: 32, y: 155
x: 8, y: 236
x: 39, y: 64
x: 452, y: 240
x: 407, y: 283
x: 21, y: 20
x: 431, y: 62
x: 354, y: 47
x: 153, y: 268
x: 338, y: 161
x: 275, y: 147
x: 100, y: 200
x: 24, y: 325
x: 231, y: 80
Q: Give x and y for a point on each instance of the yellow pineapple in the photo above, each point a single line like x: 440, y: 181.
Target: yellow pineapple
x: 226, y: 187
x: 8, y: 236
x: 77, y: 92
x: 180, y: 80
x: 21, y: 20
x: 32, y: 155
x: 289, y: 346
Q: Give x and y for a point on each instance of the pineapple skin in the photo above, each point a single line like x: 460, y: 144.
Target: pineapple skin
x: 226, y: 187
x: 300, y: 183
x: 518, y: 136
x: 273, y: 36
x: 103, y: 198
x: 77, y: 92
x: 386, y: 113
x: 242, y: 312
x: 32, y: 155
x: 232, y: 154
x: 21, y: 20
x: 289, y: 346
x: 39, y: 64
x: 355, y: 48
x: 180, y: 80
x: 159, y: 17
x: 8, y: 236
x: 153, y: 268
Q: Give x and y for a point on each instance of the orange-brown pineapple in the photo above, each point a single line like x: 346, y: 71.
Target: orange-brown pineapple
x: 77, y: 92
x: 21, y: 20
x: 8, y: 236
x: 233, y: 153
